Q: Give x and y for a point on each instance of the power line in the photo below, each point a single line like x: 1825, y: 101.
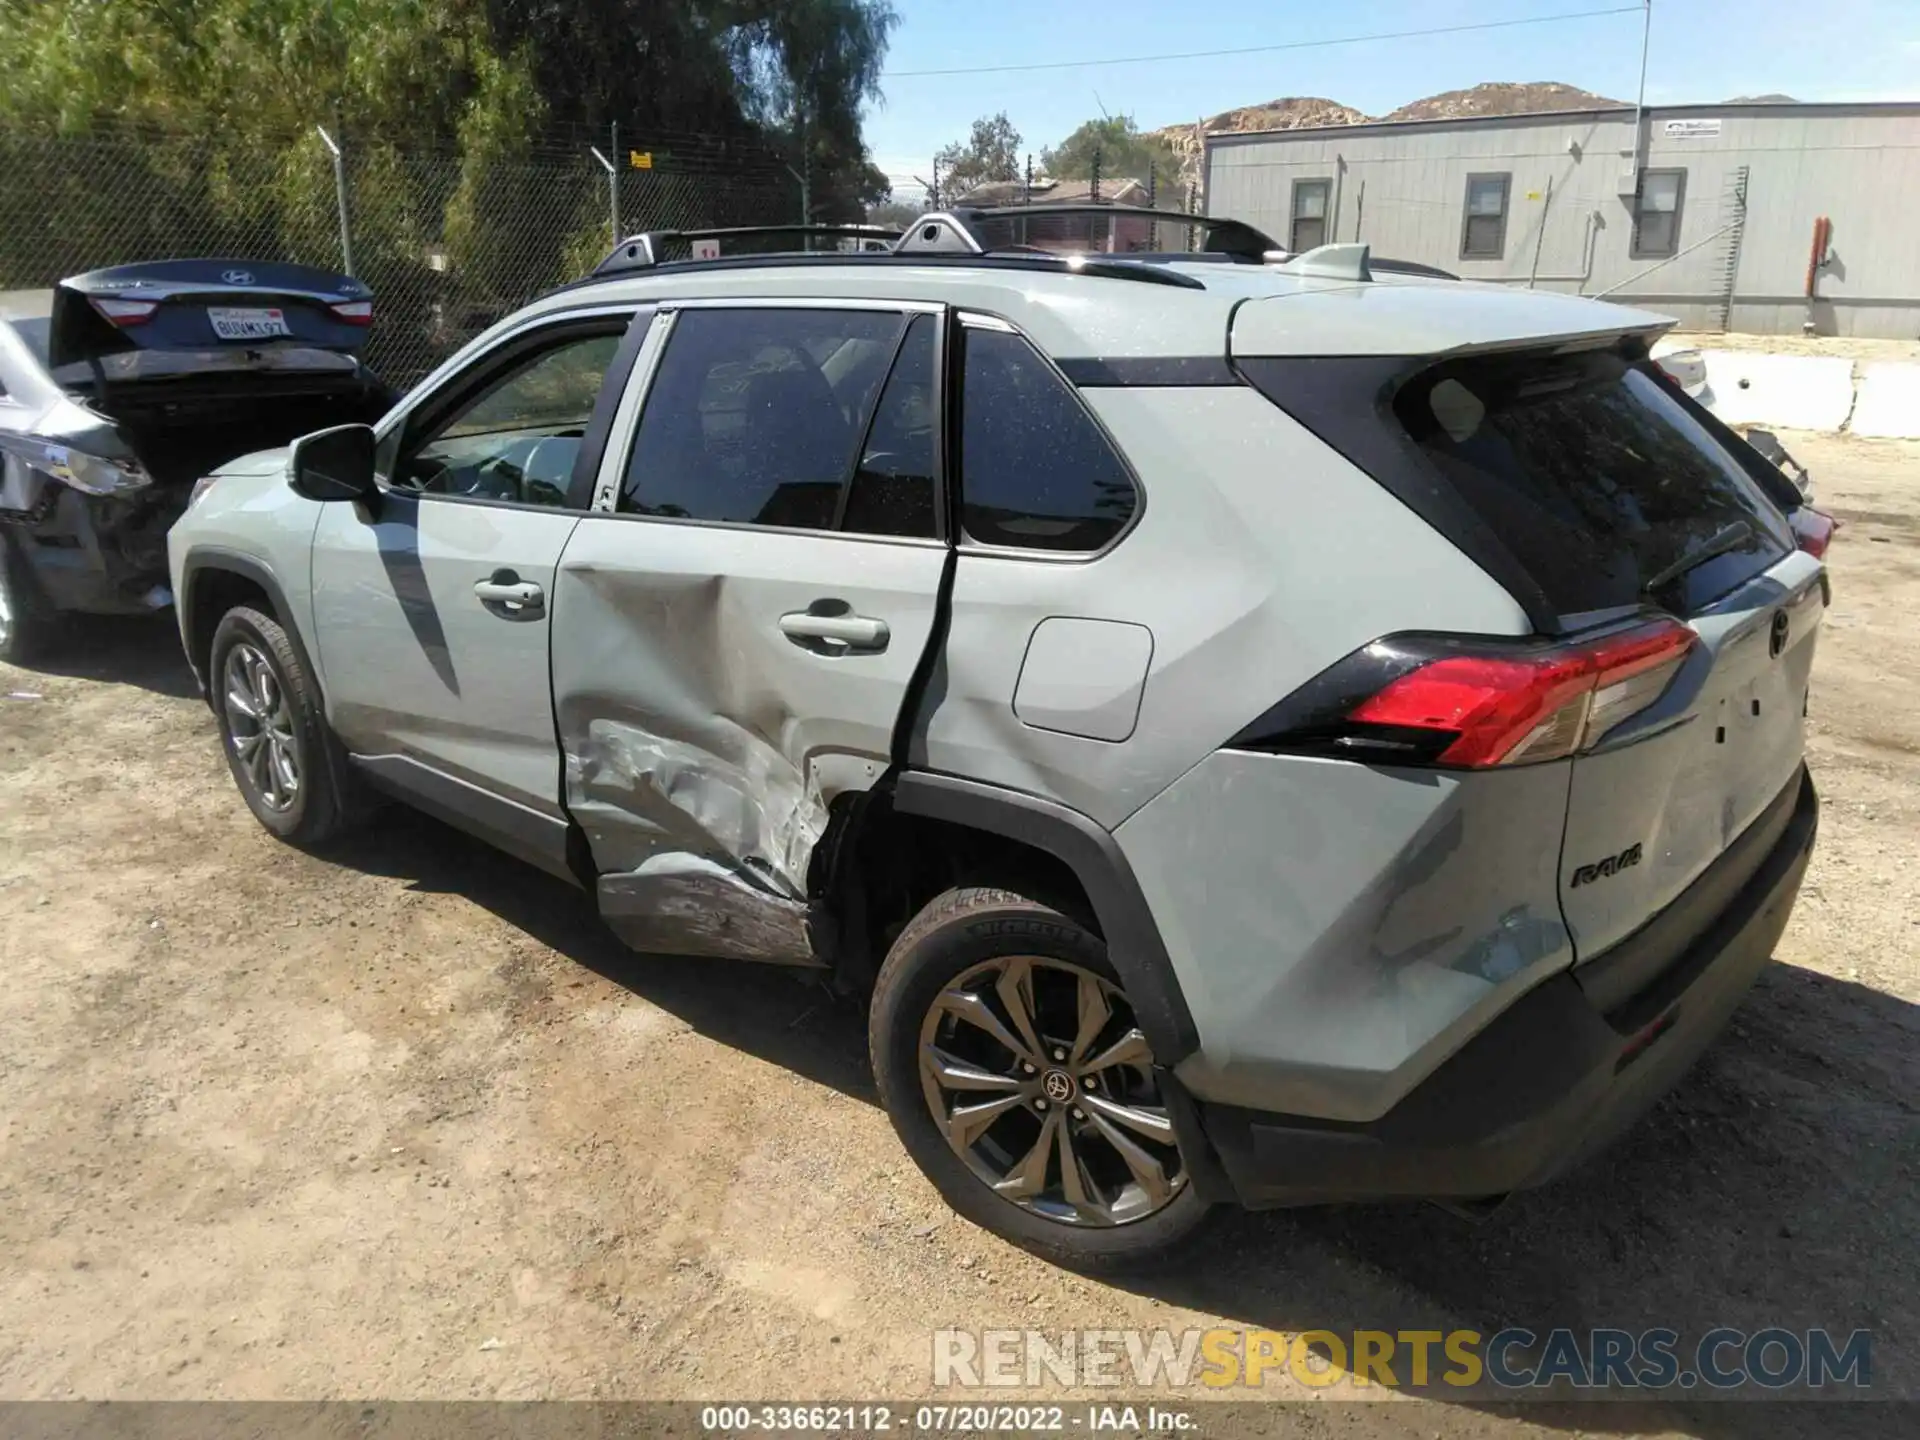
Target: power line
x: 1267, y: 49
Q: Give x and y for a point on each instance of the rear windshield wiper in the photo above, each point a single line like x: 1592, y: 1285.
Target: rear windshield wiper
x: 1727, y: 537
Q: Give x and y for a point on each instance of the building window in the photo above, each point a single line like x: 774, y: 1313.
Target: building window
x: 1483, y: 234
x: 1309, y: 214
x: 1656, y: 214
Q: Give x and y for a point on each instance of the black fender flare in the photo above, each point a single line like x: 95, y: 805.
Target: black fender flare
x: 1090, y: 851
x: 212, y: 557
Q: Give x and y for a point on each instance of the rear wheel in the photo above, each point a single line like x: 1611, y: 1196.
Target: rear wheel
x: 29, y: 625
x: 290, y: 769
x: 1010, y: 1062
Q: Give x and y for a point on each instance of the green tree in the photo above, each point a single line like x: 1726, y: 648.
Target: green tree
x: 991, y: 152
x: 1125, y: 153
x: 805, y: 68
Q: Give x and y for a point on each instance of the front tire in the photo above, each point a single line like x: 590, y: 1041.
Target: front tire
x: 1008, y: 1058
x: 283, y: 755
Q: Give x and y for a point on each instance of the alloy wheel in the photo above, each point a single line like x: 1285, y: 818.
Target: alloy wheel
x: 260, y: 727
x: 1040, y: 1078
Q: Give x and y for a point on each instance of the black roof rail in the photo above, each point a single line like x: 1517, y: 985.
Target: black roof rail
x: 651, y: 247
x: 1115, y: 268
x: 1219, y: 236
x: 1412, y: 267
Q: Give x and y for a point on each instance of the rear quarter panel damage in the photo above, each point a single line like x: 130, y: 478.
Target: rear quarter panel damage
x: 1340, y: 929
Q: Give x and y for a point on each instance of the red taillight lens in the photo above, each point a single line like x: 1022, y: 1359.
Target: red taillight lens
x: 1508, y: 710
x: 127, y: 312
x: 1813, y: 530
x: 354, y: 312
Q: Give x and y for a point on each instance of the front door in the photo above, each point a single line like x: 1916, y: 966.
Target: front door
x: 434, y: 607
x: 745, y: 610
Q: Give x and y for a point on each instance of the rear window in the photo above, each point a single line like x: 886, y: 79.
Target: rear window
x: 1591, y: 476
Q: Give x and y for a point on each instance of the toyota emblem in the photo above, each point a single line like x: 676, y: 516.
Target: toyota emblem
x: 1058, y: 1085
x: 237, y: 277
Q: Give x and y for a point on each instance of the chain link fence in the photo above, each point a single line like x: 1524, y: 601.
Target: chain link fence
x: 448, y: 241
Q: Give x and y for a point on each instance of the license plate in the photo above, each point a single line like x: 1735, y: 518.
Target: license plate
x: 240, y: 324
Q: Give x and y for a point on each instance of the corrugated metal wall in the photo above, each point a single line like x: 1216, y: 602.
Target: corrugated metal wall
x: 1402, y: 188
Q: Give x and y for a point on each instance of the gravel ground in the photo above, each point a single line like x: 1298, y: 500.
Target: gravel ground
x: 405, y: 1123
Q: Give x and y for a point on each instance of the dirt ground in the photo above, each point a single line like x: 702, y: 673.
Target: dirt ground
x: 405, y: 1123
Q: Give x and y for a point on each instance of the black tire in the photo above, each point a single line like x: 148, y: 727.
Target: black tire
x: 30, y: 627
x: 955, y: 933
x: 319, y: 807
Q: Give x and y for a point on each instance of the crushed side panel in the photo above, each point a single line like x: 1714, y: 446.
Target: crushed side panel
x: 702, y: 747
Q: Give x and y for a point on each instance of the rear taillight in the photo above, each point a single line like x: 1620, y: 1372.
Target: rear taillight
x: 354, y: 312
x: 127, y: 312
x: 1470, y: 705
x: 1813, y: 530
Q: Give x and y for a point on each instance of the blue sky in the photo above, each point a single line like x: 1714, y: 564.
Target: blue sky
x: 1702, y: 50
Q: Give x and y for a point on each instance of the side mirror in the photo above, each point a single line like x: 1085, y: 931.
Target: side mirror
x: 334, y: 464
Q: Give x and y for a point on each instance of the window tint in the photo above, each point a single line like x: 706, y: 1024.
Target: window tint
x: 755, y: 415
x: 893, y: 490
x: 1656, y: 213
x: 1592, y: 475
x: 1036, y: 471
x: 1483, y: 235
x: 517, y: 440
x: 1309, y: 214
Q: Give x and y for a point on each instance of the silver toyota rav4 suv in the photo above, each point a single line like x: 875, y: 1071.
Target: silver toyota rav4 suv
x: 1262, y: 730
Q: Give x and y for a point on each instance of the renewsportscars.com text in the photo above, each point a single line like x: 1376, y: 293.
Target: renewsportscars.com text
x: 1514, y: 1359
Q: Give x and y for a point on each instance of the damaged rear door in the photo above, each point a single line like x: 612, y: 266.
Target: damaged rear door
x: 742, y: 613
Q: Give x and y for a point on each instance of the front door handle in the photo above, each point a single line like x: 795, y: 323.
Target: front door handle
x: 505, y: 593
x: 834, y: 634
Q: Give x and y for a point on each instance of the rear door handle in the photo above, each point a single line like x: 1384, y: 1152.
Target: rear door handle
x: 830, y: 634
x: 518, y: 599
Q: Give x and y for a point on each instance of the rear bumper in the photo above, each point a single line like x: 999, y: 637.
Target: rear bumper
x: 102, y: 556
x: 1556, y: 1076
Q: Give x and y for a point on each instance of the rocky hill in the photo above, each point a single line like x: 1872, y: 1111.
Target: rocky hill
x: 1299, y: 112
x: 1502, y: 97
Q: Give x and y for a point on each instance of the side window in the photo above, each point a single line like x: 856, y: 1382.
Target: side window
x: 1309, y: 228
x: 1035, y: 470
x: 1656, y: 214
x: 517, y: 439
x: 756, y: 416
x: 1483, y: 234
x: 893, y: 489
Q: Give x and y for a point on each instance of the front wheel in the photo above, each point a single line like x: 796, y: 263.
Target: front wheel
x: 1009, y: 1059
x: 282, y: 753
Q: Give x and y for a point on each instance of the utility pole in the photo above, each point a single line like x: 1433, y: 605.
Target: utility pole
x: 1640, y: 102
x: 1093, y: 196
x: 1026, y: 197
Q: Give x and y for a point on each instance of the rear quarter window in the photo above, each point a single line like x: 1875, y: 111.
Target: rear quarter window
x: 1036, y: 471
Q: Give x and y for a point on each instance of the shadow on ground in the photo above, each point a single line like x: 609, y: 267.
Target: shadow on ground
x: 140, y: 650
x: 1775, y: 1187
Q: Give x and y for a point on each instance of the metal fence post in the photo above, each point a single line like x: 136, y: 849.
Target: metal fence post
x: 340, y: 199
x: 613, y: 192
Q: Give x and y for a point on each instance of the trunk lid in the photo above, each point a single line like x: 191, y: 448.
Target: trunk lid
x: 1660, y: 798
x: 203, y: 310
